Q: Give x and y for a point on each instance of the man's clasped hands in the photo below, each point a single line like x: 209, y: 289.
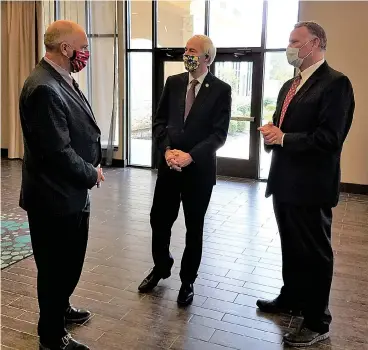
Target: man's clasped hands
x: 177, y: 159
x: 272, y: 135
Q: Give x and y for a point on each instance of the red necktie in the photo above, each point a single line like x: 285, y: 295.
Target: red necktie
x: 291, y: 93
x: 190, y: 97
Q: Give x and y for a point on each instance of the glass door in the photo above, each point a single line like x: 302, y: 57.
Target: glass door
x: 239, y: 157
x: 240, y: 154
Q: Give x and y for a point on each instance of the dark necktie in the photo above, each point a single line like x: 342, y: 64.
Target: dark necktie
x: 81, y: 95
x: 78, y: 90
x: 190, y: 98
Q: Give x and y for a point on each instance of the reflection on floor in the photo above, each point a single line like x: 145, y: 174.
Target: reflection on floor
x: 241, y: 262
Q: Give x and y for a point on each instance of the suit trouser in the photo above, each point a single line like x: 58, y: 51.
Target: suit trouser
x: 307, y: 260
x: 172, y: 188
x: 59, y: 245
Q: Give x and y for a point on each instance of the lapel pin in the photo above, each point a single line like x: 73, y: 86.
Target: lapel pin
x: 207, y: 85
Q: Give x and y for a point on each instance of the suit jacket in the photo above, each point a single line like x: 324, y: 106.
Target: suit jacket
x: 61, y: 144
x: 204, y: 130
x: 306, y: 170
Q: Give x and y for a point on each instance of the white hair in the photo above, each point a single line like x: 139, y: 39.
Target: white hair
x: 208, y: 48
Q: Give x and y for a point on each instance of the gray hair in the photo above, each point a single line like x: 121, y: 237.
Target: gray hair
x: 316, y: 30
x: 208, y: 48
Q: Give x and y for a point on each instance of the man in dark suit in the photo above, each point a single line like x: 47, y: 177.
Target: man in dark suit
x: 190, y: 125
x: 62, y: 152
x: 313, y: 116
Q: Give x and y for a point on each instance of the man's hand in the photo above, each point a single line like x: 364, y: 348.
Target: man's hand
x: 183, y: 159
x: 171, y: 160
x: 272, y: 135
x: 100, y: 175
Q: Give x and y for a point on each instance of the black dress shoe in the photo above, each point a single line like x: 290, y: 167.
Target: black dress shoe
x: 153, y: 278
x: 65, y: 343
x: 149, y: 282
x: 276, y: 306
x: 186, y: 294
x: 74, y: 315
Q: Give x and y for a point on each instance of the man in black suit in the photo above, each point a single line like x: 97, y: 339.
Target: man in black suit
x: 313, y: 116
x: 190, y: 125
x: 62, y: 152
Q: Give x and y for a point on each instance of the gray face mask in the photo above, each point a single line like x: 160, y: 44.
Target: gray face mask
x: 292, y: 54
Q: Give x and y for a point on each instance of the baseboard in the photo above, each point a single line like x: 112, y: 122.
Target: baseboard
x: 354, y: 188
x: 4, y: 153
x: 117, y: 163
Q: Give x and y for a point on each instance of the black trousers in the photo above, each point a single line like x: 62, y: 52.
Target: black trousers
x: 171, y: 189
x: 307, y: 260
x: 59, y: 245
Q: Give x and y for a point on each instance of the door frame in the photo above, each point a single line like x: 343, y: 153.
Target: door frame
x: 245, y: 168
x: 232, y: 167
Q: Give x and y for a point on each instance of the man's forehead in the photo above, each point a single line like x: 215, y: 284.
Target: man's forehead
x: 80, y: 38
x: 193, y: 43
x: 300, y: 32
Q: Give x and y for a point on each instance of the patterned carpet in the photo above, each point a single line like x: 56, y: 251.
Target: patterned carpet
x: 15, y: 239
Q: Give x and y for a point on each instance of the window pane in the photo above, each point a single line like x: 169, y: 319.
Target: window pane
x: 172, y: 68
x: 48, y: 17
x: 140, y: 24
x: 102, y: 85
x: 73, y: 11
x: 140, y: 108
x: 278, y: 31
x: 239, y: 76
x: 277, y: 71
x: 102, y: 17
x: 178, y: 21
x: 235, y: 23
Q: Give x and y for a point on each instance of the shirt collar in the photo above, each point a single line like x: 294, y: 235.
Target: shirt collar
x: 65, y: 74
x: 199, y: 79
x: 307, y: 73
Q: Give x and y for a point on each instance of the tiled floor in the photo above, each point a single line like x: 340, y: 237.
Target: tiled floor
x: 15, y: 238
x: 241, y: 262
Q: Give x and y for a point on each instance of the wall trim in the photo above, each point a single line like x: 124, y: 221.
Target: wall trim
x: 116, y: 163
x: 4, y: 153
x: 344, y: 187
x: 354, y: 188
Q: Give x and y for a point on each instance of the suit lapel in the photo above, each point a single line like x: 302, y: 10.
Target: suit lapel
x: 182, y: 91
x: 201, y: 97
x: 305, y: 87
x: 301, y: 92
x: 71, y: 92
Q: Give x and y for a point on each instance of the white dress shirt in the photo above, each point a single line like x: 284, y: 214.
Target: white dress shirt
x: 65, y: 74
x: 307, y: 73
x: 200, y: 82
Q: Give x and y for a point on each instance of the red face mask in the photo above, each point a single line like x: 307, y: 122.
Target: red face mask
x: 79, y: 60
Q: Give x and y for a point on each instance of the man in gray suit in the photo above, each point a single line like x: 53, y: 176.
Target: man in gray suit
x: 62, y: 152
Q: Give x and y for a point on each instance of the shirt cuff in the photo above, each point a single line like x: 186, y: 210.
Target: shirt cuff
x: 282, y: 140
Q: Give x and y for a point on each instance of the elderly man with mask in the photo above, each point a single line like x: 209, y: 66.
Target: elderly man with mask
x: 313, y: 116
x: 190, y: 125
x: 62, y: 152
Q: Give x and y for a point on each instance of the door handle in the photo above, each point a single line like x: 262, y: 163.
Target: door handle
x: 243, y: 119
